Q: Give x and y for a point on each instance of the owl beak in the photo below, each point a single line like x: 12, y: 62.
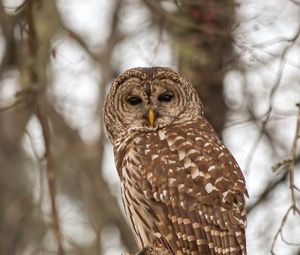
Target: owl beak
x: 151, y: 117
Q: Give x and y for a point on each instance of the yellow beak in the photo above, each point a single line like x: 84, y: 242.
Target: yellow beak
x: 151, y: 117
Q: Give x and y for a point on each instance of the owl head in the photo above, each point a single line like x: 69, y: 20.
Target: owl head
x: 147, y: 99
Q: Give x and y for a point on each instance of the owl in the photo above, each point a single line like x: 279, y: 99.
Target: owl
x: 181, y: 188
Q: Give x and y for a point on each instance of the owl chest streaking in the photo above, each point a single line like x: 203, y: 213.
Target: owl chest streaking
x: 181, y: 188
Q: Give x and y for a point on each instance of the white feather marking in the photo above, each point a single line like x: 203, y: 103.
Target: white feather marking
x: 154, y: 156
x: 187, y: 163
x: 189, y: 190
x: 165, y: 193
x: 169, y: 237
x: 171, y: 181
x: 225, y: 193
x: 162, y: 197
x: 220, y: 179
x: 206, y: 144
x: 186, y: 221
x: 211, y: 168
x: 180, y: 186
x: 209, y: 187
x: 191, y: 151
x: 195, y: 173
x: 199, y: 158
x: 238, y: 233
x: 171, y: 141
x: 221, y: 155
x: 181, y: 154
x: 207, y: 176
x: 207, y: 229
x: 158, y: 235
x: 149, y: 175
x: 196, y: 225
x: 161, y: 135
x: 191, y: 238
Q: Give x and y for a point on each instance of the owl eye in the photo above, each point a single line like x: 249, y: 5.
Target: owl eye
x: 165, y: 98
x: 134, y: 100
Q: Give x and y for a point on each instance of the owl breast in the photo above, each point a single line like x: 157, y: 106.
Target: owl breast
x: 142, y: 210
x: 135, y: 204
x: 180, y: 188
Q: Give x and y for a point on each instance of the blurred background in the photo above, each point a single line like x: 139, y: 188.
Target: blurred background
x: 59, y: 190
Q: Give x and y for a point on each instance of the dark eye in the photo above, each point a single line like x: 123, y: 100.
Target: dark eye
x: 134, y: 100
x: 165, y: 98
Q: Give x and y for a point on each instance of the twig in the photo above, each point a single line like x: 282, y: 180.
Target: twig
x: 256, y: 142
x: 273, y: 91
x: 13, y: 105
x: 280, y: 164
x: 39, y: 165
x: 22, y: 97
x: 293, y: 207
x: 37, y: 84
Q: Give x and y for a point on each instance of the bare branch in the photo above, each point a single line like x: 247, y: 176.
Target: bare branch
x: 294, y: 207
x: 273, y: 91
x: 280, y: 164
x: 41, y: 115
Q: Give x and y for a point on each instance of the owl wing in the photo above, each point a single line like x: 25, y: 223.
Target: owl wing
x: 200, y: 189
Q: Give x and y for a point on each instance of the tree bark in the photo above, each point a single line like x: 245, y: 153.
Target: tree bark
x: 204, y: 52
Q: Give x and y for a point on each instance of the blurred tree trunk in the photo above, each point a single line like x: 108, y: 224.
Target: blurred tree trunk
x: 201, y: 31
x: 203, y: 50
x: 20, y: 224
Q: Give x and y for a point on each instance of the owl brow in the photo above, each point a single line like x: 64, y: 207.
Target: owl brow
x: 124, y: 78
x: 169, y: 76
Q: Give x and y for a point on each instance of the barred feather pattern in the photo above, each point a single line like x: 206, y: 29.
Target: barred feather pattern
x: 182, y: 189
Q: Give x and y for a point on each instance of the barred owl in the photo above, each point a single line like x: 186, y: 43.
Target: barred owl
x: 182, y: 190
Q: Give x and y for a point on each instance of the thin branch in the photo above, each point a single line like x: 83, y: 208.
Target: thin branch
x: 256, y: 142
x: 12, y: 106
x: 36, y: 83
x: 292, y: 166
x: 50, y: 170
x: 280, y: 230
x: 273, y: 91
x: 280, y: 164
